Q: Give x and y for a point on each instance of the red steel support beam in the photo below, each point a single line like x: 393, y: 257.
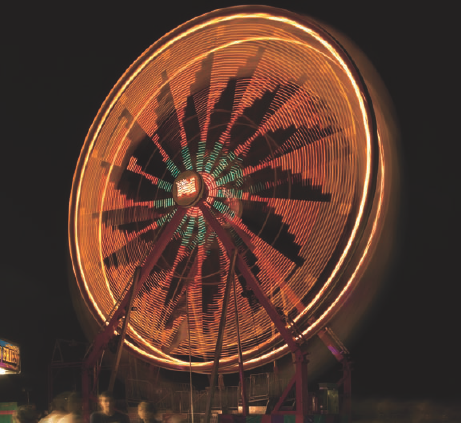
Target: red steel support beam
x: 243, y: 393
x: 118, y: 354
x: 284, y: 395
x: 249, y: 277
x: 219, y: 341
x: 103, y: 337
x: 302, y: 398
x: 330, y: 343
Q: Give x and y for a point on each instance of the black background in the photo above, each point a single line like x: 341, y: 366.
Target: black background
x: 59, y: 62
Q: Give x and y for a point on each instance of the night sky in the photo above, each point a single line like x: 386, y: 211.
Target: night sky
x: 60, y: 63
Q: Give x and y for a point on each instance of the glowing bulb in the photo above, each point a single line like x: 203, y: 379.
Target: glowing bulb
x: 186, y: 186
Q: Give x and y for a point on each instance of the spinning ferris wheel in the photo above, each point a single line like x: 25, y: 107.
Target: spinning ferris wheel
x: 246, y: 130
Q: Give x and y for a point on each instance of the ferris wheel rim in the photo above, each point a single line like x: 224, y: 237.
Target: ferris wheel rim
x: 137, y: 66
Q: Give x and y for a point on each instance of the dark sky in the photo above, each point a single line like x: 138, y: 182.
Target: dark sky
x: 60, y: 63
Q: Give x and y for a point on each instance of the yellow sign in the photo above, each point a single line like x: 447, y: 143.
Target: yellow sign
x: 10, y: 358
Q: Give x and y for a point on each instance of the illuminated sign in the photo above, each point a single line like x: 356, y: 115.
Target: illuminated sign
x: 186, y: 187
x: 10, y: 357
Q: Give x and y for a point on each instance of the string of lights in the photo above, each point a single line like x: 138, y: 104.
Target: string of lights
x: 261, y: 115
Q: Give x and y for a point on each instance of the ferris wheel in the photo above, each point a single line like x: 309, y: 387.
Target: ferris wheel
x: 238, y: 157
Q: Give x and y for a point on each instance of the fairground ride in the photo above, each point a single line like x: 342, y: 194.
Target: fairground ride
x: 229, y: 196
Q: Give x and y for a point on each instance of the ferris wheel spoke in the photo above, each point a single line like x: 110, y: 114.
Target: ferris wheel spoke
x: 134, y: 229
x: 219, y: 119
x: 176, y: 282
x: 274, y: 103
x: 195, y: 112
x: 206, y: 100
x: 142, y: 188
x: 160, y: 183
x: 291, y: 186
x: 251, y: 280
x: 262, y: 145
x: 305, y: 136
x: 283, y: 141
x: 192, y: 133
x: 135, y: 238
x: 170, y: 132
x: 269, y: 169
x: 137, y: 183
x: 130, y: 213
x: 245, y: 126
x: 271, y: 229
x: 261, y: 256
x: 147, y: 153
x: 122, y: 256
x: 224, y: 113
x: 212, y: 267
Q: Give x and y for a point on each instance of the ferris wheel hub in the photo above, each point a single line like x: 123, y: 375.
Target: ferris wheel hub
x: 188, y: 188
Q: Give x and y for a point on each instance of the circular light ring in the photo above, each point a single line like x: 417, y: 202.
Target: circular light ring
x: 271, y: 113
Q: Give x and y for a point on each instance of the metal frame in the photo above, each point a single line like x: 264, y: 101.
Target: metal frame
x: 340, y: 352
x: 300, y: 376
x: 103, y: 337
x: 299, y: 379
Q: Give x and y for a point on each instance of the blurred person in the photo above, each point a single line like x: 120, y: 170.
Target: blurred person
x: 108, y: 414
x: 74, y: 407
x: 147, y: 412
x: 26, y: 414
x: 58, y: 408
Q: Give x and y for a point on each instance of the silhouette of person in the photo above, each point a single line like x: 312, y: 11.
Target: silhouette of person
x: 147, y: 412
x: 108, y: 414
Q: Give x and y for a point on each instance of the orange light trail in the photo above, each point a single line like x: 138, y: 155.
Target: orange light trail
x: 284, y: 190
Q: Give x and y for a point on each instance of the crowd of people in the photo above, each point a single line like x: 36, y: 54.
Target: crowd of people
x: 68, y: 409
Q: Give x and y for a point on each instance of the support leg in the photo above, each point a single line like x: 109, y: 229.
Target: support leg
x: 107, y: 332
x: 241, y: 373
x: 302, y: 395
x: 301, y: 364
x: 123, y: 332
x: 222, y: 325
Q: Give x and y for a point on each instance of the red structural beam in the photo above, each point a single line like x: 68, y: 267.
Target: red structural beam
x: 104, y: 336
x: 302, y: 399
x: 160, y: 244
x: 249, y: 277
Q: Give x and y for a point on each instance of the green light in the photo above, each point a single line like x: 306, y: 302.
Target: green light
x: 166, y: 186
x: 210, y: 240
x: 223, y: 163
x: 201, y: 230
x: 166, y: 202
x: 223, y: 208
x: 235, y: 174
x: 166, y: 218
x: 213, y: 156
x: 200, y: 155
x: 188, y: 233
x: 185, y: 153
x: 172, y: 168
